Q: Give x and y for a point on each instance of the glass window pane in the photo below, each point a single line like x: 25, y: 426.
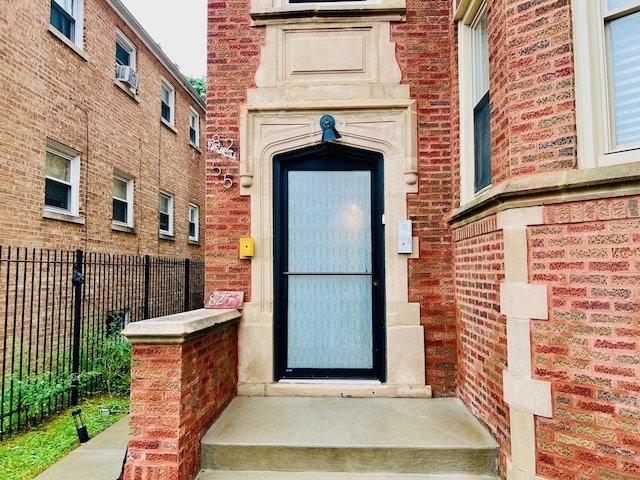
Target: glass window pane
x: 164, y: 222
x: 625, y: 60
x: 616, y: 4
x: 120, y: 209
x: 482, y: 144
x: 164, y: 204
x: 480, y: 57
x: 67, y: 5
x: 119, y: 189
x: 166, y: 112
x: 122, y: 55
x: 57, y: 194
x: 58, y: 167
x: 165, y: 95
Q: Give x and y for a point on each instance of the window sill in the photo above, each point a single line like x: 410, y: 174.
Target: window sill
x: 63, y: 217
x: 118, y: 227
x: 195, y: 243
x: 269, y: 15
x: 122, y: 86
x: 167, y: 237
x: 554, y: 187
x: 77, y: 50
x: 195, y: 147
x: 168, y: 125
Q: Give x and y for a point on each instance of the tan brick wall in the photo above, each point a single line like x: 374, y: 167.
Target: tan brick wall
x: 49, y: 91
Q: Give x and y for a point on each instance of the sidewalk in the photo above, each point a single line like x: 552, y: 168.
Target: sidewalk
x: 98, y: 459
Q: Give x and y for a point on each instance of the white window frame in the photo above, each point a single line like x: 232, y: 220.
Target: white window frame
x: 194, y: 217
x: 171, y: 92
x: 169, y: 212
x: 194, y: 123
x: 78, y: 19
x: 594, y: 110
x: 128, y: 46
x: 466, y: 15
x: 129, y: 181
x: 73, y: 156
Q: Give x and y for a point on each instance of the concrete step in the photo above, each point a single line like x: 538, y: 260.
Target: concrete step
x: 379, y: 436
x: 246, y: 475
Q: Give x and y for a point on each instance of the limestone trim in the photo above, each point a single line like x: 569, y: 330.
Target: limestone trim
x: 316, y: 55
x: 178, y: 328
x: 521, y: 302
x: 269, y: 12
x: 515, y: 474
x: 388, y: 130
x: 551, y: 188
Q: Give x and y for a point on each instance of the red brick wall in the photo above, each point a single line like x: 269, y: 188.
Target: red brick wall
x: 177, y: 391
x: 482, y: 335
x: 589, y: 349
x: 531, y: 87
x: 49, y: 91
x: 425, y: 66
x: 234, y: 56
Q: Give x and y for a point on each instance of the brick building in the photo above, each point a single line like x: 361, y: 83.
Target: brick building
x: 507, y: 133
x: 102, y: 138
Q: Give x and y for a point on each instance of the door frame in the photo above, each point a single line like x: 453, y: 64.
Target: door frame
x: 318, y: 157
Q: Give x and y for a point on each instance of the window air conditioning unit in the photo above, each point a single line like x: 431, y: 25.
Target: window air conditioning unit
x: 127, y: 74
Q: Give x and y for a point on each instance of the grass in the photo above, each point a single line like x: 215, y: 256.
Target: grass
x: 25, y: 455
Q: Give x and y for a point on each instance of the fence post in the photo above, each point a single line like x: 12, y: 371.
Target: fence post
x: 187, y: 281
x: 147, y: 285
x: 77, y: 281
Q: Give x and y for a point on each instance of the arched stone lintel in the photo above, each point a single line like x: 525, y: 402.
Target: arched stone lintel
x: 389, y: 130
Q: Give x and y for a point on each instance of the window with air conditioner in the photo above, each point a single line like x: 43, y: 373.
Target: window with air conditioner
x: 126, y: 61
x: 166, y: 214
x: 167, y: 102
x: 62, y: 179
x: 66, y: 18
x: 194, y: 128
x: 607, y: 56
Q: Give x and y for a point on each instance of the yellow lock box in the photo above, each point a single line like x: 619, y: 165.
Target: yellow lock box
x: 246, y: 247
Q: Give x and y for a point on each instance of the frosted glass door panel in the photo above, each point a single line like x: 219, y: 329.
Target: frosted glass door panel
x: 329, y: 269
x: 329, y: 221
x: 330, y: 322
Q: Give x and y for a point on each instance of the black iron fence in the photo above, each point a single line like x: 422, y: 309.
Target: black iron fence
x: 58, y: 309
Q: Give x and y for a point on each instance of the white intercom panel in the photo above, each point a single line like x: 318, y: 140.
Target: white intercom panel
x: 404, y: 236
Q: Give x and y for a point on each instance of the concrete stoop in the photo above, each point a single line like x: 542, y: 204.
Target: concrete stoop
x: 348, y: 439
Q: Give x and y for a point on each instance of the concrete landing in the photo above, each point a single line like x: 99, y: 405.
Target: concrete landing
x: 258, y: 436
x: 230, y: 475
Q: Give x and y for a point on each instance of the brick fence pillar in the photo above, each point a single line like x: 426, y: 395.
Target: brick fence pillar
x: 183, y: 374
